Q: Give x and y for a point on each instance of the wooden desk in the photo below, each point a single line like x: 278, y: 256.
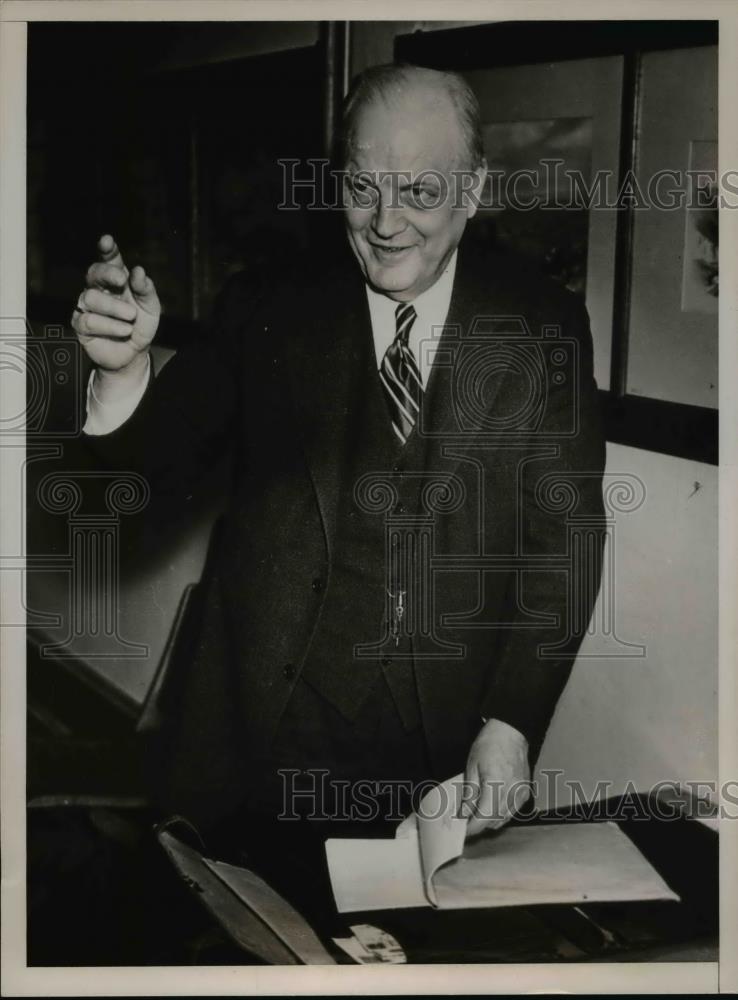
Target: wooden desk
x: 108, y: 892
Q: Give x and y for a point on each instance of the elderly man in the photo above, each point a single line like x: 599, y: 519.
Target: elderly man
x: 396, y: 596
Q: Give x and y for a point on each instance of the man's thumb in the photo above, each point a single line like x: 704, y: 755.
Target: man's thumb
x: 476, y: 825
x: 143, y: 289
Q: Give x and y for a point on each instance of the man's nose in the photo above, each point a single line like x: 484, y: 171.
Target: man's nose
x: 388, y: 221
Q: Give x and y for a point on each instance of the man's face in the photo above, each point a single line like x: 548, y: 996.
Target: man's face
x: 403, y: 216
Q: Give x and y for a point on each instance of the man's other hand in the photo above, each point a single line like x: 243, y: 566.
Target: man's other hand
x: 117, y: 314
x: 497, y: 777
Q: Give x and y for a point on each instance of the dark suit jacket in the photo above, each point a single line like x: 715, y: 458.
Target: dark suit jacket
x: 276, y: 382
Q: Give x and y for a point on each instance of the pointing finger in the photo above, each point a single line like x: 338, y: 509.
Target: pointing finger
x: 109, y: 252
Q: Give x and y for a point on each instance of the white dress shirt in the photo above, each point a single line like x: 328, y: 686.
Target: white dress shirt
x: 431, y: 309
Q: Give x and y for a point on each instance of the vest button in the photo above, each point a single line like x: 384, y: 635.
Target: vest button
x: 386, y: 660
x: 288, y: 671
x: 317, y: 585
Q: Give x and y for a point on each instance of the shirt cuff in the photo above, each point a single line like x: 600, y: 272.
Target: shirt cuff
x: 104, y: 418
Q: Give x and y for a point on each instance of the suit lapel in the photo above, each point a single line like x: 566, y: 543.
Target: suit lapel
x: 474, y: 296
x: 330, y: 358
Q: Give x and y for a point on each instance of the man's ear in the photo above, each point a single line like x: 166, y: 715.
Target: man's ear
x: 473, y: 196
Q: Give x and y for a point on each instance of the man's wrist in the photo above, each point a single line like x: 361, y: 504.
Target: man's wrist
x: 112, y: 397
x: 505, y: 726
x: 112, y: 386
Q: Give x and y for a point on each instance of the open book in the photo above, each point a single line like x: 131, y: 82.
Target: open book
x: 256, y: 917
x: 430, y: 863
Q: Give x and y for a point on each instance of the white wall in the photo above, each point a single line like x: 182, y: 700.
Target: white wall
x: 655, y: 718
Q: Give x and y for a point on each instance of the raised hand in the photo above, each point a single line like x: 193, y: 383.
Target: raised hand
x: 117, y: 314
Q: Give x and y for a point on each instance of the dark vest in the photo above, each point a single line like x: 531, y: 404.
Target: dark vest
x: 363, y: 630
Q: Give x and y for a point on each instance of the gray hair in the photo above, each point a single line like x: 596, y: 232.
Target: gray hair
x: 385, y: 81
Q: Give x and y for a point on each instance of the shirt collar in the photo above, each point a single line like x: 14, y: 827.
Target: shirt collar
x: 431, y: 306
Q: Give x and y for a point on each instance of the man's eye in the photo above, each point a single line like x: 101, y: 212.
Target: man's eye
x: 421, y: 196
x: 361, y: 186
x: 362, y: 193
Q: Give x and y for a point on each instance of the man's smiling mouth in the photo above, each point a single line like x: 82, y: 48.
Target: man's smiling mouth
x: 389, y: 250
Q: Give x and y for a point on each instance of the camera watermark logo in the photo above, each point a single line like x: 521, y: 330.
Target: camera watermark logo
x: 75, y: 577
x: 46, y: 367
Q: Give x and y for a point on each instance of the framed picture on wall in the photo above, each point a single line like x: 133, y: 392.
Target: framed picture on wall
x: 673, y: 322
x: 700, y: 257
x: 546, y: 124
x: 623, y: 102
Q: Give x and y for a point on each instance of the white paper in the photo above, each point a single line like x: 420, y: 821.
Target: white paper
x: 441, y: 830
x: 376, y: 874
x: 429, y: 862
x: 549, y: 863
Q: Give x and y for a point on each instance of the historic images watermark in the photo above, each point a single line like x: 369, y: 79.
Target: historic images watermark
x: 314, y: 184
x: 313, y: 794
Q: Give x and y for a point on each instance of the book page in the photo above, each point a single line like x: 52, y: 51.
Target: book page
x: 441, y: 831
x: 399, y: 873
x: 279, y: 915
x: 549, y: 863
x: 376, y: 874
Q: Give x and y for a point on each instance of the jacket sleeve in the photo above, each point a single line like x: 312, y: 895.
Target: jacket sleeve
x: 562, y: 521
x: 184, y: 422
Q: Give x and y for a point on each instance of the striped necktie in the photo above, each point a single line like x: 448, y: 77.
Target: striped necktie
x: 400, y: 376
